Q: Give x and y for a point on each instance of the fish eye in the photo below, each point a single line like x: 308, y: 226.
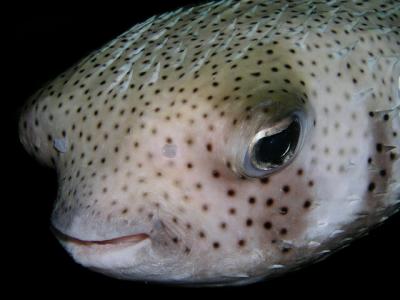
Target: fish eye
x: 274, y: 147
x: 272, y: 150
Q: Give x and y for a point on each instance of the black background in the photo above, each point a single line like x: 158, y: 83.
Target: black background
x: 42, y: 43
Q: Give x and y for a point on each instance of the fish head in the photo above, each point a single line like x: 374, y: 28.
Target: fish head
x: 212, y: 146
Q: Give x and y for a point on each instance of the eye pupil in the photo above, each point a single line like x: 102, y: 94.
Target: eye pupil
x: 274, y: 150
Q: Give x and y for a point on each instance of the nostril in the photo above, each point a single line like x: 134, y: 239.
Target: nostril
x: 169, y: 150
x: 61, y: 145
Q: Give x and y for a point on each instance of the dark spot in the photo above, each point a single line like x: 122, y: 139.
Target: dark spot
x: 252, y: 200
x: 371, y: 187
x: 307, y: 204
x: 215, y: 174
x: 283, y: 210
x: 286, y: 189
x: 267, y: 225
x: 231, y: 193
x: 189, y: 141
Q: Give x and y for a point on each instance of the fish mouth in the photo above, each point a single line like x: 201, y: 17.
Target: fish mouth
x: 121, y: 240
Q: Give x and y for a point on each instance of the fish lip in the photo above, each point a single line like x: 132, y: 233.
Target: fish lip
x: 126, y: 239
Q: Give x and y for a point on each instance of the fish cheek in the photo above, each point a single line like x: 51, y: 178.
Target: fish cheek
x: 287, y: 217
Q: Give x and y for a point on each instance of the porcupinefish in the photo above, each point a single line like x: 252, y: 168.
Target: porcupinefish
x: 227, y: 142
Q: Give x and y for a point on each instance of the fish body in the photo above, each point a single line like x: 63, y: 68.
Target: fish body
x: 156, y: 140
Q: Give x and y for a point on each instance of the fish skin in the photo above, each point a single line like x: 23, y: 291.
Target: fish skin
x: 339, y: 105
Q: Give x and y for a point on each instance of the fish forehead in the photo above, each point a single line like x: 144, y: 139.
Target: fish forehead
x: 150, y: 114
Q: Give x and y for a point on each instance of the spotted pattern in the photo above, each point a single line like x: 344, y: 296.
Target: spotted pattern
x: 144, y: 134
